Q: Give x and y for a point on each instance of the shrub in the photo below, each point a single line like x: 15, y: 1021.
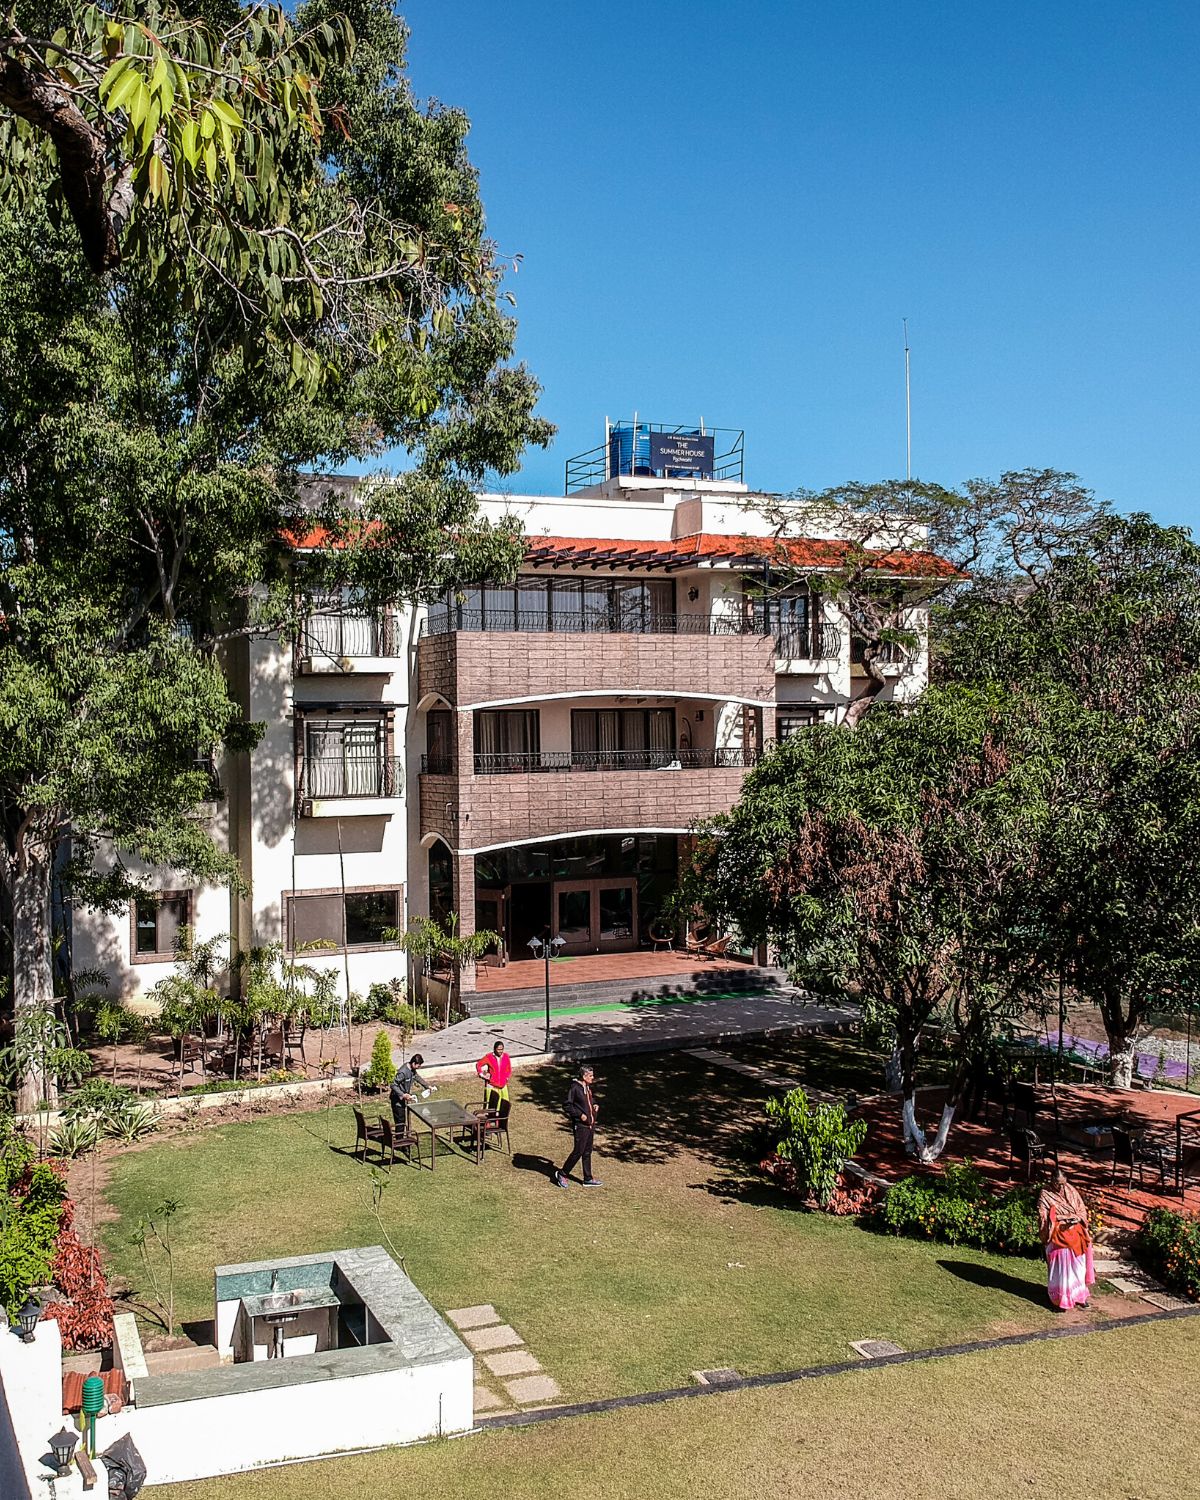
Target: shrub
x: 817, y: 1139
x: 407, y: 1017
x: 85, y: 1309
x: 33, y: 1207
x: 957, y: 1208
x: 381, y: 1069
x: 97, y: 1097
x: 1168, y: 1246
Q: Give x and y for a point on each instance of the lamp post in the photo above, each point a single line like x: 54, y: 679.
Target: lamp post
x: 548, y: 948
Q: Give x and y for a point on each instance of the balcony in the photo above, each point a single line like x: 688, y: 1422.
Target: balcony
x: 676, y: 655
x: 340, y: 644
x: 732, y: 759
x: 818, y: 642
x: 565, y: 792
x: 338, y: 787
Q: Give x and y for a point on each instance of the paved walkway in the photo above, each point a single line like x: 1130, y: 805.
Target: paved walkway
x: 659, y: 1026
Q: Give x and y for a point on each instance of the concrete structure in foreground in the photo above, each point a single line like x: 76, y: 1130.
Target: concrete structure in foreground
x: 531, y: 754
x: 321, y: 1354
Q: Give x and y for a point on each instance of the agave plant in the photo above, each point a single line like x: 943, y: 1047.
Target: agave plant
x: 130, y: 1122
x: 74, y: 1136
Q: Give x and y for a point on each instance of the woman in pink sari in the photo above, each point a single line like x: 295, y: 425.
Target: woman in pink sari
x: 1063, y: 1225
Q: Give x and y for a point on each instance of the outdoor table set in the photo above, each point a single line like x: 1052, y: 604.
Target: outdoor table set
x: 444, y: 1116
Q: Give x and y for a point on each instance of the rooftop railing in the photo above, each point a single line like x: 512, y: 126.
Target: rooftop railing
x: 503, y: 763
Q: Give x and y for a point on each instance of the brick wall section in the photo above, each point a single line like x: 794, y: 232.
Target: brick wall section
x: 488, y: 810
x: 478, y: 667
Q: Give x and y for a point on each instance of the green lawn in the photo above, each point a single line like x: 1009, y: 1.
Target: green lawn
x: 684, y: 1260
x: 1033, y: 1421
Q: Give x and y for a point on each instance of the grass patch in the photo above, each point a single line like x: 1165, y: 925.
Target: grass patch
x: 686, y: 1259
x: 1009, y: 1422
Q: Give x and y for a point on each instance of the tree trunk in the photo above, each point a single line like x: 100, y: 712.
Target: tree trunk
x: 1122, y: 1053
x: 33, y: 982
x: 916, y: 1143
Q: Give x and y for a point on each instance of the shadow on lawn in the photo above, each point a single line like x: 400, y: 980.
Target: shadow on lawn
x: 1000, y: 1281
x: 652, y: 1109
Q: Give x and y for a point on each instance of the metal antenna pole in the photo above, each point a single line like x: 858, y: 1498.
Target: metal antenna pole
x: 907, y: 403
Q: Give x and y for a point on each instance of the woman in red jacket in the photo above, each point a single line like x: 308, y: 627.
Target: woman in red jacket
x: 496, y: 1069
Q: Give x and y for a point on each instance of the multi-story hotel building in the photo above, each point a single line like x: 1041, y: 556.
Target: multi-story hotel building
x: 528, y: 755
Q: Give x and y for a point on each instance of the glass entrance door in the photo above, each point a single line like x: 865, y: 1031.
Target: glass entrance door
x: 596, y: 916
x: 617, y: 907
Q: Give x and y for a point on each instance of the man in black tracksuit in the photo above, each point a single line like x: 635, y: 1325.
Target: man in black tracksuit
x: 581, y: 1111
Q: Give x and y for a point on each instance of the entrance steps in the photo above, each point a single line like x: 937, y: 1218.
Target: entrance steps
x: 725, y: 981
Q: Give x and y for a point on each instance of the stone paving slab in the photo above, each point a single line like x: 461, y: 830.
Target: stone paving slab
x: 876, y: 1348
x: 1131, y: 1288
x: 1165, y: 1301
x: 516, y: 1362
x: 639, y: 1028
x: 486, y: 1400
x: 532, y: 1388
x: 483, y: 1339
x: 1111, y: 1267
x: 473, y: 1317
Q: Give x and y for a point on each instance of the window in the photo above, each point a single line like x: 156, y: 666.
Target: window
x: 560, y: 603
x: 353, y: 919
x: 156, y: 923
x: 793, y: 721
x: 788, y: 616
x: 439, y: 741
x: 635, y: 737
x: 344, y: 758
x: 506, y: 740
x: 441, y: 882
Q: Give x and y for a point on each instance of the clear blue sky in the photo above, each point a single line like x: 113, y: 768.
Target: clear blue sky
x: 726, y: 209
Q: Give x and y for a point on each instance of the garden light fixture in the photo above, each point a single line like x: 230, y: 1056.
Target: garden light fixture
x: 28, y: 1319
x: 62, y: 1445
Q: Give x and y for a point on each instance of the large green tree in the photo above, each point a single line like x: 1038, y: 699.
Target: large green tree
x: 894, y: 861
x: 1111, y: 628
x: 163, y: 433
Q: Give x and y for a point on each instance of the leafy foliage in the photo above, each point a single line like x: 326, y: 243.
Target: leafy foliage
x: 85, y: 1309
x: 957, y: 1208
x: 1168, y: 1246
x: 381, y: 1069
x: 76, y: 1136
x: 32, y: 1199
x: 817, y: 1139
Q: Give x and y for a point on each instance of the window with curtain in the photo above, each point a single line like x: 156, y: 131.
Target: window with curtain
x: 631, y: 737
x: 506, y: 740
x: 793, y: 721
x: 439, y: 740
x: 344, y: 757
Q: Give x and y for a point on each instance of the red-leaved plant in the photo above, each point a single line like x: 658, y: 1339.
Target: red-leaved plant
x: 85, y: 1311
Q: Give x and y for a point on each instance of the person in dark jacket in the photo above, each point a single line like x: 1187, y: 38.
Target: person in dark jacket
x: 406, y: 1085
x: 581, y: 1111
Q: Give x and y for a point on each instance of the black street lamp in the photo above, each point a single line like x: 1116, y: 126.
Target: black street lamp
x: 28, y: 1319
x: 548, y: 948
x: 62, y: 1445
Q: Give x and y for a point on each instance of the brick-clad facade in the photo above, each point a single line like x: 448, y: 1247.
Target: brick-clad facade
x: 475, y: 812
x: 472, y: 667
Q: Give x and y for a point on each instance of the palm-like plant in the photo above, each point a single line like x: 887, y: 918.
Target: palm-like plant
x: 431, y: 942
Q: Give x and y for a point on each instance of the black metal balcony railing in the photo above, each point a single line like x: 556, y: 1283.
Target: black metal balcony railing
x: 443, y: 621
x: 525, y: 763
x: 891, y: 653
x: 335, y: 776
x: 821, y: 642
x: 329, y: 637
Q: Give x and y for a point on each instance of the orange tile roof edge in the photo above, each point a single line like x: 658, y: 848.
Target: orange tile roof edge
x: 797, y: 552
